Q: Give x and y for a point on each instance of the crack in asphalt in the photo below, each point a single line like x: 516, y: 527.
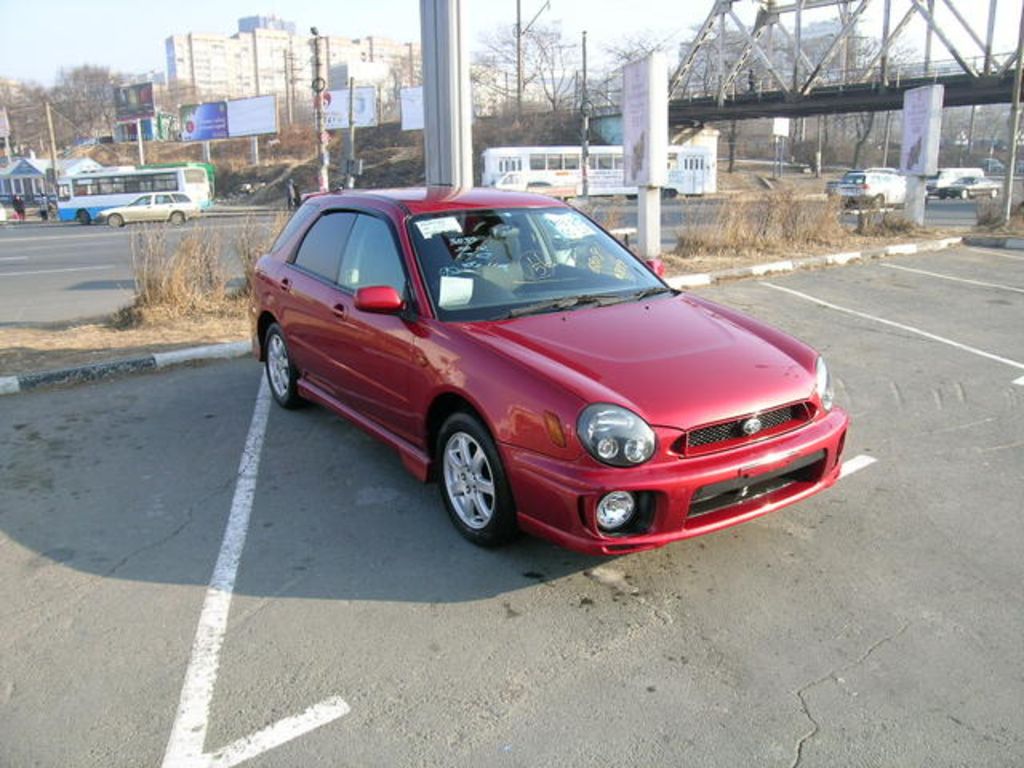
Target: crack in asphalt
x: 832, y: 675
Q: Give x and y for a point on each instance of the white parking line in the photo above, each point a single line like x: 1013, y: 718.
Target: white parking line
x: 188, y: 735
x: 856, y: 464
x: 902, y: 327
x: 980, y: 283
x: 56, y: 271
x: 13, y: 258
x: 993, y: 252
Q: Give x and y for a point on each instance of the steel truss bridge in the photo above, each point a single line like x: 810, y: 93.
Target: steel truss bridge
x: 772, y: 67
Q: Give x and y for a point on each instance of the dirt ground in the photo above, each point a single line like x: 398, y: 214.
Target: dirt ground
x: 26, y: 350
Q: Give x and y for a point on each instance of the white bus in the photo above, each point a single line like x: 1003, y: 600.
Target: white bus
x: 692, y: 170
x: 81, y: 197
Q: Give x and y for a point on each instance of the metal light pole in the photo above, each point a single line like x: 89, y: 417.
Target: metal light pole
x: 1014, y: 124
x: 319, y: 86
x: 350, y: 163
x: 520, y: 32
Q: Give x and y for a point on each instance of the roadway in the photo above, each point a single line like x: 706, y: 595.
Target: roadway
x: 879, y: 623
x: 61, y: 273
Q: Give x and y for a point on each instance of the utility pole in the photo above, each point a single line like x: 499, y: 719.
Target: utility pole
x: 53, y: 154
x: 288, y: 86
x: 1014, y: 125
x: 585, y: 133
x: 319, y: 86
x: 520, y: 32
x: 350, y: 162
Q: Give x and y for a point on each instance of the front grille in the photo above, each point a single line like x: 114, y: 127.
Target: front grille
x: 722, y: 435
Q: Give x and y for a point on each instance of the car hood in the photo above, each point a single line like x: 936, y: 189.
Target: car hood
x: 677, y: 361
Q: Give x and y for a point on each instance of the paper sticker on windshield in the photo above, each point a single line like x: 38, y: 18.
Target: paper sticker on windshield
x: 569, y: 226
x: 430, y: 227
x: 455, y: 291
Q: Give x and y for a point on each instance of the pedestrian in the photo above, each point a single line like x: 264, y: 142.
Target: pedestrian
x: 293, y: 195
x: 19, y: 208
x: 751, y: 82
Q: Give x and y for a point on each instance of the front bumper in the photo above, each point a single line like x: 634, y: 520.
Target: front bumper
x: 682, y: 497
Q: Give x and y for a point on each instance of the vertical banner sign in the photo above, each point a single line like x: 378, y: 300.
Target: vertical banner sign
x: 645, y: 121
x: 922, y: 124
x: 412, y: 108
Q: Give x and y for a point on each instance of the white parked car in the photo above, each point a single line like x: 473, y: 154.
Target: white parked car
x: 872, y: 187
x: 174, y: 207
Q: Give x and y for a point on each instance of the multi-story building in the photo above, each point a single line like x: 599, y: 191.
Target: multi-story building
x: 266, y: 57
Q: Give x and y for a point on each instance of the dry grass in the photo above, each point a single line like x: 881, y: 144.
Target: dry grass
x: 768, y: 223
x: 252, y: 241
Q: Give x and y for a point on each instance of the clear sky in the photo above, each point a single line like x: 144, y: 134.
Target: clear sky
x: 128, y: 35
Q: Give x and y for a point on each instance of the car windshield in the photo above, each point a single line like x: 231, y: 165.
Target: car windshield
x: 499, y: 263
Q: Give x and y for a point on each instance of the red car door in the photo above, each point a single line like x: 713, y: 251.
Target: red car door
x: 377, y: 351
x: 312, y: 303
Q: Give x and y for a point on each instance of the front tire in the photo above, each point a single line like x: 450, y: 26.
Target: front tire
x: 282, y: 375
x: 115, y: 220
x: 473, y: 484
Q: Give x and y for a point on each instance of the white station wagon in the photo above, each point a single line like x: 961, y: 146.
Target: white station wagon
x: 174, y: 207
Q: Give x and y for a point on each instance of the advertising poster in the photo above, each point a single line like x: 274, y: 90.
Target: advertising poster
x: 922, y: 125
x: 252, y: 117
x: 134, y: 102
x: 364, y: 113
x: 203, y: 122
x: 412, y: 108
x: 645, y: 122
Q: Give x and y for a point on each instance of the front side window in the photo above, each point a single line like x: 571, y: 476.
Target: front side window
x: 140, y: 202
x: 320, y: 252
x: 500, y: 263
x: 371, y: 257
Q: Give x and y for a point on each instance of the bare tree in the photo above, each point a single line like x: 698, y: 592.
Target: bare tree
x: 85, y: 96
x: 862, y: 125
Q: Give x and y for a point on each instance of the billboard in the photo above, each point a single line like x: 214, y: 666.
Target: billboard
x: 645, y: 121
x: 412, y: 108
x: 922, y: 126
x: 364, y: 108
x: 134, y: 102
x: 203, y: 122
x: 252, y: 117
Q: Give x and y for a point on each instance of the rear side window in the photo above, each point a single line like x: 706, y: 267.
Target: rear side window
x: 320, y: 252
x: 180, y: 198
x: 371, y: 257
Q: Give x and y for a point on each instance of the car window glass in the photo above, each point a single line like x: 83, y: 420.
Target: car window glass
x: 179, y: 198
x: 298, y: 220
x: 144, y: 200
x: 371, y: 257
x: 320, y: 252
x: 163, y: 199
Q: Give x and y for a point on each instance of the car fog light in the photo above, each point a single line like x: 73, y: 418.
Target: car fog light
x: 607, y: 448
x: 615, y: 510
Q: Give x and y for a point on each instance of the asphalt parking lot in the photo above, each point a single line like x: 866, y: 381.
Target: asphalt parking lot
x: 191, y: 578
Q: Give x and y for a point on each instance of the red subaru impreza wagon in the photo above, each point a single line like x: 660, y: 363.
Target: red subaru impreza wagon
x: 551, y: 382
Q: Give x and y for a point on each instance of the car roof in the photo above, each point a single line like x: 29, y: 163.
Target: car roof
x: 418, y: 200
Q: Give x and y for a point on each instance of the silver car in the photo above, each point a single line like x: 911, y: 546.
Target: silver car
x: 174, y: 207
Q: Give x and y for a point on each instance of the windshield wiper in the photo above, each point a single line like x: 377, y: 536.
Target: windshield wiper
x: 652, y: 291
x: 570, y: 302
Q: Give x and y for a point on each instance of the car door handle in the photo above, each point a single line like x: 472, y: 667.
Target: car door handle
x: 339, y: 310
x: 286, y: 284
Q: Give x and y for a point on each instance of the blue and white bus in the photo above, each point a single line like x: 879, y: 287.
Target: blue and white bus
x: 84, y: 195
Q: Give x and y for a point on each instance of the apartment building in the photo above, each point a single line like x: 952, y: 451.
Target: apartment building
x: 265, y: 55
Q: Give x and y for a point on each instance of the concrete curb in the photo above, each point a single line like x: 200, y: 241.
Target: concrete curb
x: 10, y: 385
x: 812, y: 262
x: 992, y: 241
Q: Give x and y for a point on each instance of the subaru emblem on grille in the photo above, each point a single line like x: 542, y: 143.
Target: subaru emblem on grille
x: 752, y: 426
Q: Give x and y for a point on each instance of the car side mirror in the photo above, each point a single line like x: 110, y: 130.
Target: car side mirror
x: 379, y: 299
x: 657, y: 266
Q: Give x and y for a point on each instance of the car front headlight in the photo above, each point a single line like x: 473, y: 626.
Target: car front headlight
x: 823, y: 385
x: 615, y: 435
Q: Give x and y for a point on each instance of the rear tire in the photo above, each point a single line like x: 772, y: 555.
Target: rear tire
x: 177, y: 217
x: 82, y: 216
x: 473, y: 484
x: 282, y: 376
